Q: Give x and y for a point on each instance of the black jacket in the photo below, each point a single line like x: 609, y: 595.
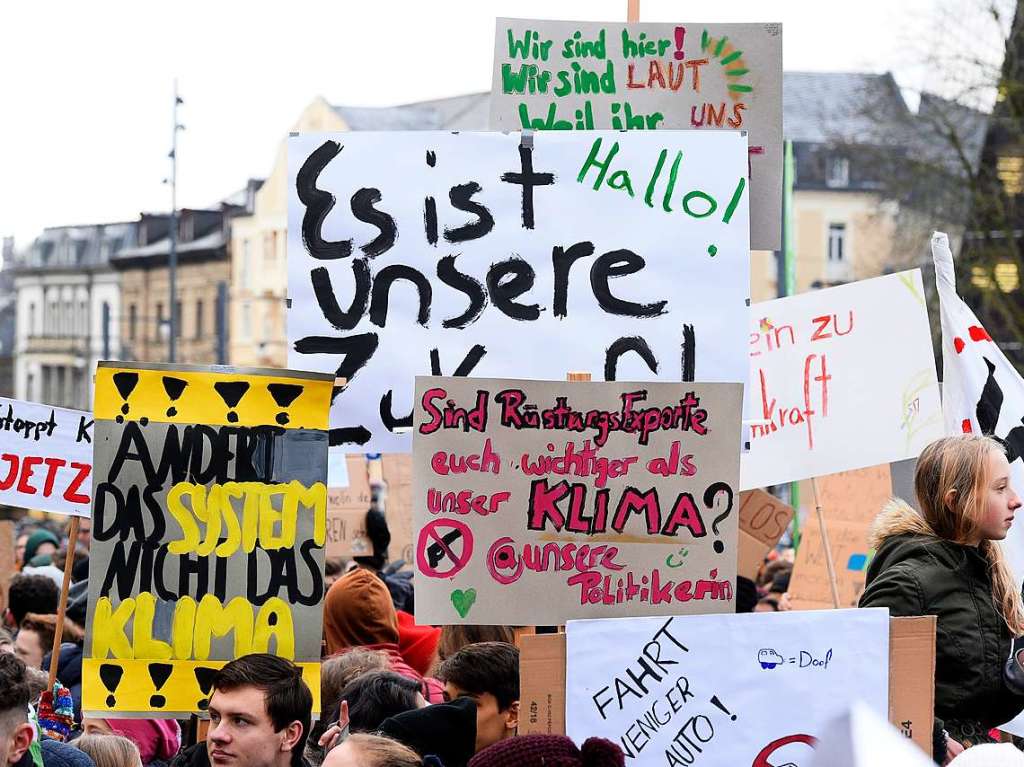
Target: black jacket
x: 915, y: 573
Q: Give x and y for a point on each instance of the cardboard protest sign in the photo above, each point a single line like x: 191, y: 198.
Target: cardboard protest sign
x: 347, y: 507
x: 208, y: 530
x: 850, y: 502
x: 835, y: 389
x: 763, y: 520
x: 538, y: 501
x: 485, y: 254
x: 754, y: 689
x: 911, y: 681
x: 45, y: 457
x: 582, y: 75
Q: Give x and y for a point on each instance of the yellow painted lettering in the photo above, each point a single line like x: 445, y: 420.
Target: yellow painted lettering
x: 208, y: 510
x: 214, y: 619
x: 142, y: 630
x: 233, y: 537
x: 108, y: 629
x: 280, y: 628
x: 189, y: 541
x: 183, y: 628
x: 270, y: 516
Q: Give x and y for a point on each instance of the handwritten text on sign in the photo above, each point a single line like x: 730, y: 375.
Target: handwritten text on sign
x: 568, y: 75
x: 540, y: 501
x: 752, y: 689
x: 840, y: 379
x: 476, y: 254
x: 45, y: 457
x: 209, y: 522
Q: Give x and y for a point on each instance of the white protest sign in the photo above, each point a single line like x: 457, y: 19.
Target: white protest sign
x: 840, y: 379
x: 749, y: 689
x: 492, y: 255
x: 579, y: 75
x: 45, y: 457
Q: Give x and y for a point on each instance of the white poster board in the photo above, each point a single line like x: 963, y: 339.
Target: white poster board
x: 622, y: 254
x: 840, y: 379
x: 748, y: 689
x: 45, y: 457
x: 580, y: 75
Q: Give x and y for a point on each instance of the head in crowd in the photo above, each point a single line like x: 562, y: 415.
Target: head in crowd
x: 6, y: 641
x: 35, y: 638
x: 444, y: 730
x: 84, y: 535
x: 157, y: 740
x: 771, y: 570
x: 110, y: 750
x: 19, y: 548
x: 417, y: 644
x: 454, y: 638
x: 963, y: 488
x: 358, y: 611
x: 380, y: 538
x: 780, y: 583
x: 15, y: 730
x: 541, y: 750
x: 362, y: 750
x: 746, y: 595
x: 767, y: 605
x: 334, y: 567
x: 40, y: 547
x: 260, y: 713
x: 30, y: 594
x: 489, y: 674
x: 337, y: 671
x: 373, y: 697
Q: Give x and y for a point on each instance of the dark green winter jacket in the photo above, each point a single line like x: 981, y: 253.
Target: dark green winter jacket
x: 916, y: 573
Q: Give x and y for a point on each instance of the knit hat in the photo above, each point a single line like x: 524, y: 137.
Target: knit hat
x: 34, y: 541
x: 990, y: 755
x: 56, y: 712
x: 549, y: 751
x: 358, y: 611
x: 157, y: 739
x: 417, y: 644
x: 444, y: 730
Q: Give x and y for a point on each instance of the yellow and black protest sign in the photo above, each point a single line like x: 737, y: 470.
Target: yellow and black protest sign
x: 209, y: 522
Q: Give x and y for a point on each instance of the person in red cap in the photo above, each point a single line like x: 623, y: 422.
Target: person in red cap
x: 549, y: 751
x: 418, y: 644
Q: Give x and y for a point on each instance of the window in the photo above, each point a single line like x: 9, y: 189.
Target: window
x: 61, y: 391
x: 837, y: 172
x: 133, y: 320
x: 30, y: 387
x: 47, y: 385
x: 836, y: 242
x: 199, y: 319
x: 83, y: 326
x: 68, y: 319
x: 1010, y: 171
x: 31, y: 325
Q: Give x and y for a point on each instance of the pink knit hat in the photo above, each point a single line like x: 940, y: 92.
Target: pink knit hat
x: 549, y: 751
x: 157, y: 739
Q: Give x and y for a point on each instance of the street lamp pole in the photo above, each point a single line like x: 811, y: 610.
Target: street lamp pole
x: 172, y: 261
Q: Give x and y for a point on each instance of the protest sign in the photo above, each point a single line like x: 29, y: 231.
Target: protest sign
x: 7, y: 563
x: 484, y: 254
x: 570, y: 75
x: 347, y: 507
x: 861, y: 738
x: 45, y: 457
x: 850, y: 502
x: 743, y: 689
x: 208, y: 530
x: 911, y: 681
x: 834, y: 389
x: 763, y: 520
x: 538, y: 501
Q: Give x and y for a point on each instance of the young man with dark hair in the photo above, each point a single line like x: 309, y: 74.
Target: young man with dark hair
x: 30, y: 594
x: 488, y: 672
x: 259, y: 713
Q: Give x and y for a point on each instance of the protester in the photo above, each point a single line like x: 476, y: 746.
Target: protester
x: 335, y: 673
x: 40, y: 547
x: 455, y: 637
x: 333, y: 569
x: 6, y: 641
x: 746, y: 595
x: 372, y: 698
x: 358, y: 612
x: 363, y: 750
x: 489, y: 674
x: 158, y: 740
x: 19, y: 548
x: 417, y: 644
x: 542, y: 750
x: 109, y: 750
x: 946, y: 562
x: 399, y: 584
x: 446, y: 731
x: 30, y: 594
x: 35, y: 638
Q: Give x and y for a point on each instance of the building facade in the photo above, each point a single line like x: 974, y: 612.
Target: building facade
x: 67, y: 311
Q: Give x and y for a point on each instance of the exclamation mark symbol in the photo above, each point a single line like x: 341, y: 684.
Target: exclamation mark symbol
x: 721, y: 707
x: 231, y: 392
x: 125, y: 383
x: 680, y: 36
x: 111, y: 675
x: 159, y: 673
x: 284, y: 395
x: 204, y: 676
x: 174, y: 387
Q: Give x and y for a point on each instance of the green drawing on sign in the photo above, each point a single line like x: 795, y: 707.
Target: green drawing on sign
x: 727, y: 54
x: 463, y: 600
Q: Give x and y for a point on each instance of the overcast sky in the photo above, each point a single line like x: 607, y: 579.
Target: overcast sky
x: 86, y: 86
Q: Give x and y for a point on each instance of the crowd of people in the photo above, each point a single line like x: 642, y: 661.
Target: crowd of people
x: 397, y: 694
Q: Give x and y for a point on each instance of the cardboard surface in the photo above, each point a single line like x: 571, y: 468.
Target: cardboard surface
x: 763, y: 520
x: 551, y: 500
x: 850, y: 501
x: 911, y: 681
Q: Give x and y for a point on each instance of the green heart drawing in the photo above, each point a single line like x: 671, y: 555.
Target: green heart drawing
x: 463, y: 600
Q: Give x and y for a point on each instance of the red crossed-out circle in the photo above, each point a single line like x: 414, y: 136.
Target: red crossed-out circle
x: 434, y: 534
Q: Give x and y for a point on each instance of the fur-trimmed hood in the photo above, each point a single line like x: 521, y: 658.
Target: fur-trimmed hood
x: 897, y: 517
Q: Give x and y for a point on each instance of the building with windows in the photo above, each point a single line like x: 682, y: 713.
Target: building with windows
x: 67, y: 311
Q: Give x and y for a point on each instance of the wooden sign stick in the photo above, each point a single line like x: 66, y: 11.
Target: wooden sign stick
x: 58, y: 635
x: 632, y: 11
x: 832, y: 582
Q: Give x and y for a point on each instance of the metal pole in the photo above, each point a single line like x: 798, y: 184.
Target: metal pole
x: 172, y: 260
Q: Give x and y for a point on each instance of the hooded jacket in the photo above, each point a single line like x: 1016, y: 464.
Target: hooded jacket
x: 914, y: 572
